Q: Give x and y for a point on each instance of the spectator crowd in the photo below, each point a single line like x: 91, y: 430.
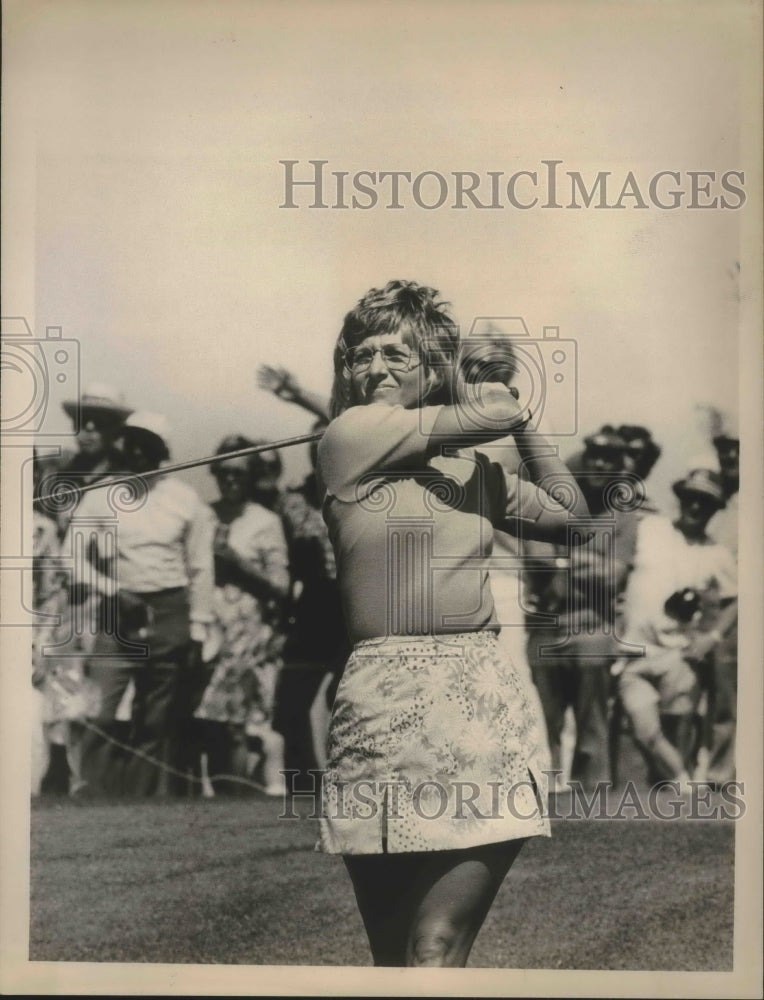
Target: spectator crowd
x: 187, y: 648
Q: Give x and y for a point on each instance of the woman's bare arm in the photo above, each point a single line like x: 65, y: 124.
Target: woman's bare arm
x: 489, y: 411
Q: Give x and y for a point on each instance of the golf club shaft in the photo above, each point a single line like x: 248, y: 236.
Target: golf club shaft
x: 180, y: 466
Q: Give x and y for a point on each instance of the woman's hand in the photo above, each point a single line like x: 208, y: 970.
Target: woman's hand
x: 483, y: 401
x: 284, y: 385
x: 278, y: 381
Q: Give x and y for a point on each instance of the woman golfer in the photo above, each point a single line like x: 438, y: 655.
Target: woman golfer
x: 435, y: 775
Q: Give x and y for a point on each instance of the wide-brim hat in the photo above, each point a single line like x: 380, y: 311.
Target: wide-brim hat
x: 606, y: 437
x: 151, y: 423
x: 701, y: 482
x: 99, y: 396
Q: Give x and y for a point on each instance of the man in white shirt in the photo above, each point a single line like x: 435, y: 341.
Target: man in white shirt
x: 675, y: 563
x: 150, y: 557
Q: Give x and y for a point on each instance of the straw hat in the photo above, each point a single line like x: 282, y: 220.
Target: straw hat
x: 701, y: 482
x: 99, y: 396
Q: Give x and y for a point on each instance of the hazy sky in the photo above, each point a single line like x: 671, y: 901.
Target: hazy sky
x: 161, y: 246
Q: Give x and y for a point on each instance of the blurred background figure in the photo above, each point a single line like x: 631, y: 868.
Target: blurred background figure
x: 102, y: 412
x: 640, y: 456
x: 316, y: 641
x: 62, y: 696
x: 266, y: 469
x: 251, y: 585
x: 726, y: 441
x: 583, y: 593
x: 723, y: 528
x: 45, y: 584
x: 680, y: 601
x: 44, y: 549
x: 156, y: 573
x: 68, y: 694
x: 65, y: 695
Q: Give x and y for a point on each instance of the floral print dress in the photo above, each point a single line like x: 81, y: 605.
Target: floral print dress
x: 246, y: 631
x: 62, y: 640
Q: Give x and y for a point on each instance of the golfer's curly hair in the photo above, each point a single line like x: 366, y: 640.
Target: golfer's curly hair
x: 421, y: 317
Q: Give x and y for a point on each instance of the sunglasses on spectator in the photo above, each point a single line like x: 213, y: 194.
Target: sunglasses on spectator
x: 99, y: 421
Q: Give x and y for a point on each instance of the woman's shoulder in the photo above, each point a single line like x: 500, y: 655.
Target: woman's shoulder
x: 379, y: 414
x: 356, y: 420
x: 377, y: 425
x: 372, y: 439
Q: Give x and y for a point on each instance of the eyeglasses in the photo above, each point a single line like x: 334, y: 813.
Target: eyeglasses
x: 396, y: 358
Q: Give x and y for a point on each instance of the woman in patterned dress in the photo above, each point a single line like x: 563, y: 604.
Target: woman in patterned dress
x: 435, y: 774
x: 65, y: 697
x: 251, y: 581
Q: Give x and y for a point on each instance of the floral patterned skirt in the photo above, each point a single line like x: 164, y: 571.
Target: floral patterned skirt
x: 433, y: 745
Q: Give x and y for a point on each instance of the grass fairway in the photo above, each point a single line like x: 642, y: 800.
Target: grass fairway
x: 228, y: 882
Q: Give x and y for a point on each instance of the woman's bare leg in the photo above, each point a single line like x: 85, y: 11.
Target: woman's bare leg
x: 382, y: 884
x: 426, y: 909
